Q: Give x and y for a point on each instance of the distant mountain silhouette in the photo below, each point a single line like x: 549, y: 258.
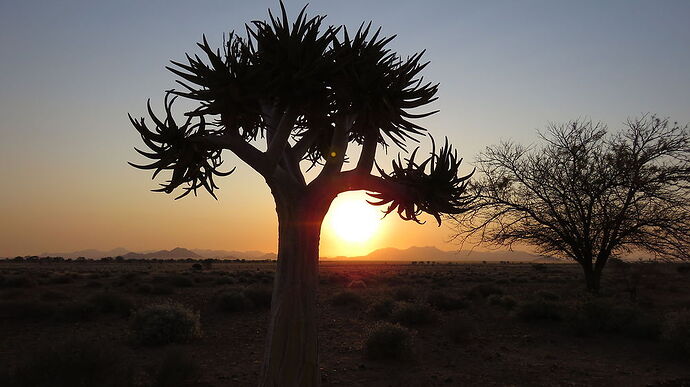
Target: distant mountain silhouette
x: 415, y: 253
x: 232, y: 254
x: 429, y: 253
x: 176, y: 253
x: 89, y: 253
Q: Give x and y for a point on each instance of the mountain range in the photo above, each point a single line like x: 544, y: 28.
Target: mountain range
x: 427, y: 253
x: 430, y: 253
x: 176, y: 253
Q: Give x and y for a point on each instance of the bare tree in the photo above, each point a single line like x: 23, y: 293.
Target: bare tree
x: 310, y: 95
x: 586, y: 195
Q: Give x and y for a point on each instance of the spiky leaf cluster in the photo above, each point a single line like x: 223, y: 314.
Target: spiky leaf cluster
x: 439, y: 191
x: 379, y: 87
x: 226, y: 86
x: 175, y: 147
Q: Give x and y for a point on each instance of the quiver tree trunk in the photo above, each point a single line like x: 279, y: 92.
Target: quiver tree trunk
x: 291, y: 357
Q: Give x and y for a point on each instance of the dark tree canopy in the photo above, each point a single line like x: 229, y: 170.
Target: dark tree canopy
x: 586, y: 194
x: 309, y: 91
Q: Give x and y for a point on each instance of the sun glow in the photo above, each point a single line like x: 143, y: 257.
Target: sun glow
x: 352, y: 219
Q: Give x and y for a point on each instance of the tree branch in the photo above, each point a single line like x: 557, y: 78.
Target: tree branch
x: 366, y: 158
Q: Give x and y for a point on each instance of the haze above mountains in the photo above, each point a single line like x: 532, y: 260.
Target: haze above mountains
x: 414, y: 253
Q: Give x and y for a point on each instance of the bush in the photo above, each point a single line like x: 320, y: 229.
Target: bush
x: 357, y: 284
x: 539, y: 310
x: 460, y: 329
x: 404, y: 293
x: 26, y: 310
x: 197, y: 266
x: 181, y: 281
x: 76, y: 363
x: 162, y: 289
x: 225, y: 280
x: 93, y: 284
x: 548, y: 296
x: 485, y: 290
x: 107, y: 302
x: 260, y: 296
x: 18, y: 281
x: 382, y: 309
x: 414, y: 314
x: 75, y: 311
x: 676, y: 331
x: 387, y: 341
x: 52, y: 295
x: 603, y: 315
x: 145, y: 289
x: 165, y: 323
x: 61, y: 279
x: 442, y: 301
x: 346, y: 298
x: 177, y: 370
x: 506, y: 302
x: 233, y: 301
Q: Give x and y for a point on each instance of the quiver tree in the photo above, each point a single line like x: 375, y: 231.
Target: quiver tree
x: 586, y: 195
x: 289, y: 97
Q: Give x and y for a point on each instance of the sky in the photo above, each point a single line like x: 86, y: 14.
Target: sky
x: 70, y: 71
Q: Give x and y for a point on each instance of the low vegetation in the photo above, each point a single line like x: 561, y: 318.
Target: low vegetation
x: 165, y: 323
x: 452, y: 324
x: 386, y: 341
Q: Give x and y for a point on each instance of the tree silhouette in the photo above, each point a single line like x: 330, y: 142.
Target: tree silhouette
x: 586, y: 195
x: 309, y: 93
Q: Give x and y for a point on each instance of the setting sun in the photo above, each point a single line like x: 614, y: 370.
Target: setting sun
x: 352, y: 219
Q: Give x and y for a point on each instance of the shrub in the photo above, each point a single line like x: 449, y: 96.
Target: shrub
x: 404, y: 293
x: 162, y: 289
x: 61, y: 279
x: 26, y: 310
x: 460, y: 329
x: 76, y: 363
x: 382, y: 309
x: 145, y: 289
x: 346, y: 298
x: 506, y: 302
x: 18, y: 281
x: 548, y: 296
x: 181, y: 281
x: 93, y: 284
x: 197, y: 266
x: 233, y: 301
x: 75, y: 311
x: 225, y: 280
x: 604, y: 315
x: 385, y: 341
x: 260, y: 296
x: 539, y: 310
x: 108, y: 302
x: 52, y: 295
x: 485, y: 290
x: 165, y: 323
x: 442, y: 301
x: 177, y: 370
x: 676, y: 331
x: 414, y: 314
x: 357, y: 284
